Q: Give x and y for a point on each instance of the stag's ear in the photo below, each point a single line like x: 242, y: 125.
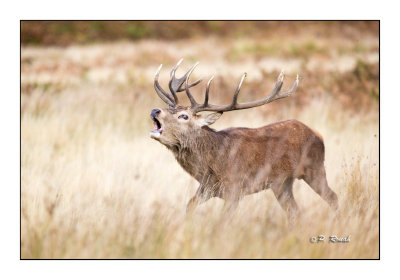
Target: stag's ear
x: 209, y: 119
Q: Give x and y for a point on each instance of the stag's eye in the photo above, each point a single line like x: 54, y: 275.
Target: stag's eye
x: 183, y: 116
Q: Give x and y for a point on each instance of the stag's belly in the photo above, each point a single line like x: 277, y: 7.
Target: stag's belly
x: 226, y: 191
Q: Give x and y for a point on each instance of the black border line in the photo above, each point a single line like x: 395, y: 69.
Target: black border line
x: 126, y: 259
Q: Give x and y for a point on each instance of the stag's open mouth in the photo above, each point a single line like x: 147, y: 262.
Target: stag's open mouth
x: 156, y: 132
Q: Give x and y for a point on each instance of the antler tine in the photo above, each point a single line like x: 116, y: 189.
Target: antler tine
x: 292, y: 90
x: 207, y: 90
x: 172, y: 73
x: 235, y: 96
x: 278, y: 86
x: 191, y: 85
x: 160, y: 92
x: 277, y: 94
x: 193, y: 102
x: 173, y: 81
x: 177, y: 83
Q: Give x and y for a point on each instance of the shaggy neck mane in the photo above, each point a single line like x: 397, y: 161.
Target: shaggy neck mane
x: 198, y: 150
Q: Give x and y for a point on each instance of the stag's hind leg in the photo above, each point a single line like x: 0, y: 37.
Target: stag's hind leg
x: 284, y: 195
x: 316, y: 178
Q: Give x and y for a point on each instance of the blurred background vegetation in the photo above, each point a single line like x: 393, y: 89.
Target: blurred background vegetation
x: 338, y: 57
x: 70, y: 32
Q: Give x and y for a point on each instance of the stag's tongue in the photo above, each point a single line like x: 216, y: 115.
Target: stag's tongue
x: 156, y: 132
x: 157, y: 127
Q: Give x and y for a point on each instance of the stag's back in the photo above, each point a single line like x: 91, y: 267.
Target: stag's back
x: 282, y: 149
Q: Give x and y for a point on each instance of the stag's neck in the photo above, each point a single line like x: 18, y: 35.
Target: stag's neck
x: 197, y: 153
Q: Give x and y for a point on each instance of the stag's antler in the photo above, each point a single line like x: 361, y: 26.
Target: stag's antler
x: 274, y: 95
x: 176, y: 85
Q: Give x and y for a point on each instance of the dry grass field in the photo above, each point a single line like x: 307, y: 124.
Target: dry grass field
x: 94, y: 185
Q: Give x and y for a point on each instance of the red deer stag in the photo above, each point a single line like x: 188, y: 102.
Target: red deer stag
x: 235, y: 162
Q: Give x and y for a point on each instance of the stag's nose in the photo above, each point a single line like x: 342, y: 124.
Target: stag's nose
x: 155, y: 112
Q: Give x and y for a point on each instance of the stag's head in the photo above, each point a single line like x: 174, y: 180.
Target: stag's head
x: 177, y: 123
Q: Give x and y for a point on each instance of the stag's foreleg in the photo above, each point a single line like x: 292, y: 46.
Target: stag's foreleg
x: 230, y: 206
x: 284, y: 194
x: 201, y: 196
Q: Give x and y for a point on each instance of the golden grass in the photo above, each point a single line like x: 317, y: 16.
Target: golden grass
x: 94, y: 185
